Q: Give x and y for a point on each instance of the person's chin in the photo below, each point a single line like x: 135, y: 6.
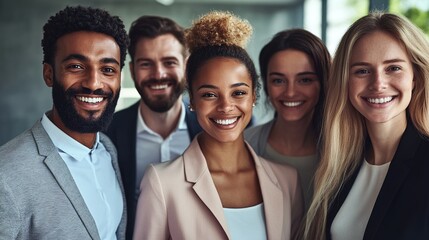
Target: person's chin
x: 92, y: 116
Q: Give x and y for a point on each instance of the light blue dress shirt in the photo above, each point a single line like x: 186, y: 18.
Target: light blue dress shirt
x: 153, y: 148
x: 94, y: 176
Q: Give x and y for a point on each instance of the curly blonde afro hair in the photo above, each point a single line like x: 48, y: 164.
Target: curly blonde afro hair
x: 218, y: 28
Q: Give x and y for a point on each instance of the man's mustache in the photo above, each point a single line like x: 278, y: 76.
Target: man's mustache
x: 154, y: 81
x: 101, y: 92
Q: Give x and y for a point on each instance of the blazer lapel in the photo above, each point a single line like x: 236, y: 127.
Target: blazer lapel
x: 126, y: 145
x: 397, y: 173
x: 338, y: 201
x: 272, y: 197
x: 62, y: 175
x: 111, y: 149
x: 197, y: 172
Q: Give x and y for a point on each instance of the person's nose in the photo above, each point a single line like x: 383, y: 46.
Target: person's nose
x: 378, y: 82
x: 290, y: 89
x: 159, y: 72
x: 225, y: 105
x: 93, y: 80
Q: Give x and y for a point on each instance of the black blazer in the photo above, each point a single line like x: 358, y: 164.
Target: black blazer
x: 401, y: 210
x: 122, y: 132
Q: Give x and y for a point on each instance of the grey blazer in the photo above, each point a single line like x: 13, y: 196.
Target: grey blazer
x: 38, y: 196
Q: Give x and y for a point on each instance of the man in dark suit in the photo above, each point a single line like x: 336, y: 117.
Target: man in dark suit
x: 159, y: 127
x: 60, y: 179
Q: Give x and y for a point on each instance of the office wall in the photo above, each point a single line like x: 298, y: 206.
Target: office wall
x: 23, y: 95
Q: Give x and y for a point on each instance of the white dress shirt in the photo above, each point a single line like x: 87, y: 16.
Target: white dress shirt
x: 94, y: 176
x: 153, y: 148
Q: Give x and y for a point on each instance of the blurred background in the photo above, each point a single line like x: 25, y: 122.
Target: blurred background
x: 24, y: 96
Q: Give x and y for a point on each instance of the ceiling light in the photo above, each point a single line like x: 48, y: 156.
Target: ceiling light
x: 166, y: 2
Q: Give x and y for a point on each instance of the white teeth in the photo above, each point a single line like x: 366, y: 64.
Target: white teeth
x: 292, y: 104
x: 225, y: 121
x: 379, y: 100
x: 90, y: 99
x: 158, y: 87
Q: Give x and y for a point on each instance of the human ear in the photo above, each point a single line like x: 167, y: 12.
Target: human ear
x: 48, y: 74
x: 131, y: 66
x: 191, y: 104
x: 254, y: 98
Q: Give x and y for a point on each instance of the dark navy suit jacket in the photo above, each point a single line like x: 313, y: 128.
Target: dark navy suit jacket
x: 401, y: 210
x: 122, y: 132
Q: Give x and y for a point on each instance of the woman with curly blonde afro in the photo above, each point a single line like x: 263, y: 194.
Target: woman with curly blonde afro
x: 219, y: 188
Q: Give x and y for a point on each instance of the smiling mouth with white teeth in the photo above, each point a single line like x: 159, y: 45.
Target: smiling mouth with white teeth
x: 292, y: 104
x: 159, y: 86
x: 225, y: 122
x: 379, y: 100
x: 90, y: 99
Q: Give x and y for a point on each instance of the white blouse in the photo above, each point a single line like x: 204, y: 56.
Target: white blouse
x: 352, y: 218
x: 246, y: 223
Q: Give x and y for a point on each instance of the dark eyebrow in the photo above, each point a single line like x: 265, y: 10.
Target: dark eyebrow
x: 299, y: 74
x: 76, y: 57
x: 163, y: 59
x: 306, y: 73
x: 83, y: 59
x: 109, y: 60
x: 142, y: 59
x: 169, y: 58
x: 276, y: 73
x: 207, y: 86
x: 214, y: 87
x: 239, y: 85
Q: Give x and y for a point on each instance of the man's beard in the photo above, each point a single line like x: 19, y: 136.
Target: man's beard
x: 162, y: 103
x: 64, y: 104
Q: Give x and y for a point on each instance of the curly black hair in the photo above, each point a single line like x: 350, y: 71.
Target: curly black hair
x: 73, y: 19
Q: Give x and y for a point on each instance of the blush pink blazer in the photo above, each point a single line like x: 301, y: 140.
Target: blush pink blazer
x: 178, y: 200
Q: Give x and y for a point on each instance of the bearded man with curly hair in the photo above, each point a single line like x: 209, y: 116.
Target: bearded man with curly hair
x: 60, y: 179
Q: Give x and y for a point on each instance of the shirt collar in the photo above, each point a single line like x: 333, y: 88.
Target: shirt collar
x: 142, y: 127
x: 65, y: 143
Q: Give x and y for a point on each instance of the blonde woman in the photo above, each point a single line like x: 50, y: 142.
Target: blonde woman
x: 374, y: 173
x: 219, y: 188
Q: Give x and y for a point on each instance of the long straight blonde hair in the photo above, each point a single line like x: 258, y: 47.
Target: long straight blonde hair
x: 343, y: 128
